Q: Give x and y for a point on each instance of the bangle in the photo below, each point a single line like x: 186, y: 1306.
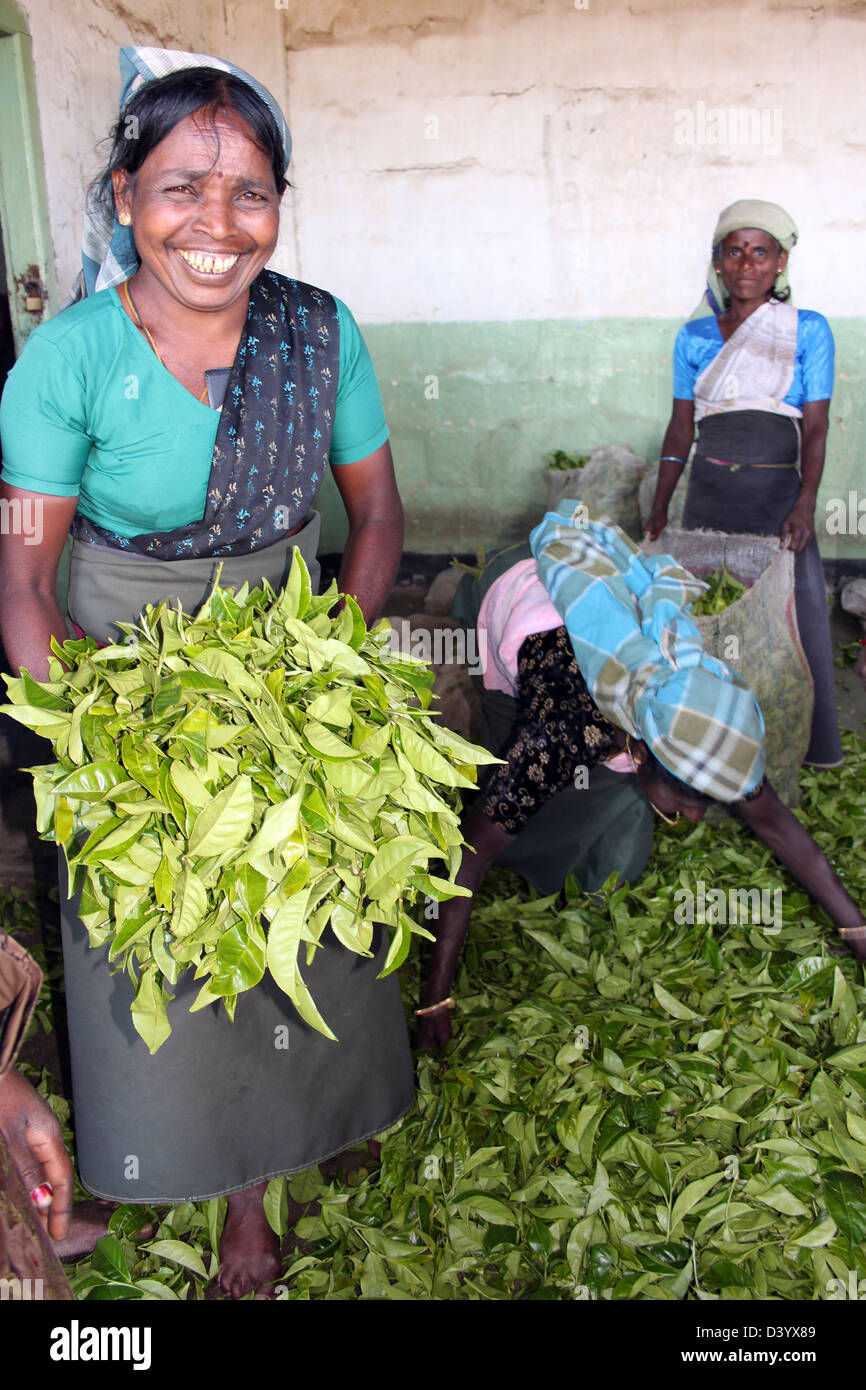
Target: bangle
x: 849, y: 931
x: 432, y: 1008
x: 671, y: 458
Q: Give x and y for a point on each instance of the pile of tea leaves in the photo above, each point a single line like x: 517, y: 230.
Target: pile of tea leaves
x: 635, y: 1106
x: 266, y: 760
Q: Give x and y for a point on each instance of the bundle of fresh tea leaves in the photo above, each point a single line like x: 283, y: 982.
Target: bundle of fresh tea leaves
x: 229, y: 785
x: 723, y: 590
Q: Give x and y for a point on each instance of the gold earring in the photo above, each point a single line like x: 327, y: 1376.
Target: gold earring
x: 665, y: 818
x: 124, y: 219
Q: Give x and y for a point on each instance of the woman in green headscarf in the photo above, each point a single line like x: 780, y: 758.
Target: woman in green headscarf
x: 755, y: 375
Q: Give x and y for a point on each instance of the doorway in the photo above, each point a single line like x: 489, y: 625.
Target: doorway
x: 7, y: 341
x: 27, y: 291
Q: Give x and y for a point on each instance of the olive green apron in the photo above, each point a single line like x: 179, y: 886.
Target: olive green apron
x: 108, y: 586
x: 221, y: 1105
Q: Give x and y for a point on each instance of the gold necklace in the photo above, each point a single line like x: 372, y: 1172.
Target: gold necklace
x: 146, y: 331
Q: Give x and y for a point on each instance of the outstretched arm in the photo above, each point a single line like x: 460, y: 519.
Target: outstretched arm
x: 793, y: 845
x: 485, y: 842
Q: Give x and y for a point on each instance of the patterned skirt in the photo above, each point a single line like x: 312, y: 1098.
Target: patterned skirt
x: 560, y: 731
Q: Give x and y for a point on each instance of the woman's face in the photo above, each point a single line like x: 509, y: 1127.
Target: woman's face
x: 748, y: 262
x: 205, y: 212
x: 665, y: 798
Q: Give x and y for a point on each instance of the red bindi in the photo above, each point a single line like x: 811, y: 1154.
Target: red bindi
x: 219, y: 174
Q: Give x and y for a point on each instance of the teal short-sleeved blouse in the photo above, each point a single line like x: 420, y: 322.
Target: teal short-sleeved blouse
x: 90, y: 411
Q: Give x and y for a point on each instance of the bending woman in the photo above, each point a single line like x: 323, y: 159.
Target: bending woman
x: 595, y: 642
x: 184, y: 413
x: 756, y: 376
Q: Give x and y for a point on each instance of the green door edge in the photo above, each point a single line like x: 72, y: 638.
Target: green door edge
x: 12, y: 21
x: 23, y: 194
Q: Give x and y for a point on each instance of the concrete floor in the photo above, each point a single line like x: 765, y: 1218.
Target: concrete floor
x: 849, y: 691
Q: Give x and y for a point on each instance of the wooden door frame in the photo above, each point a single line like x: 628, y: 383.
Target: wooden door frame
x: 23, y: 195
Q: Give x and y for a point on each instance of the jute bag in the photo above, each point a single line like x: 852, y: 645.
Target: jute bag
x: 758, y: 636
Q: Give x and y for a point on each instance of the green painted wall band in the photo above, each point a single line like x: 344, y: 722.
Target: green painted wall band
x: 474, y: 408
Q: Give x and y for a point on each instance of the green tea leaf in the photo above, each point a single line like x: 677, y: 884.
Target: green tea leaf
x: 148, y: 1010
x: 846, y: 1203
x: 671, y: 1005
x: 178, y: 1253
x: 225, y: 822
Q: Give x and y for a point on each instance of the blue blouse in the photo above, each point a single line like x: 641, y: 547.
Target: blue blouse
x: 700, y: 340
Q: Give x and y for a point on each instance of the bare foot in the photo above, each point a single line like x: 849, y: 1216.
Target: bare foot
x: 249, y: 1250
x: 87, y: 1224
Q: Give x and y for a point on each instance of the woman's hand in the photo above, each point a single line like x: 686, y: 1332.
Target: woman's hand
x: 656, y: 521
x: 798, y: 528
x: 855, y: 939
x: 433, y: 1033
x: 36, y: 1141
x: 791, y: 843
x: 484, y: 843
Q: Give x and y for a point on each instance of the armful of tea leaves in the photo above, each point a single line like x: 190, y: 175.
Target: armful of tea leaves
x: 231, y: 784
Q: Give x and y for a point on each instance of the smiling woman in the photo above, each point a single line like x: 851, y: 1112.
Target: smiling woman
x: 202, y: 197
x: 182, y: 415
x: 204, y: 229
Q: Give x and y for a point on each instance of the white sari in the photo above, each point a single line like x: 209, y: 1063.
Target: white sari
x: 755, y: 368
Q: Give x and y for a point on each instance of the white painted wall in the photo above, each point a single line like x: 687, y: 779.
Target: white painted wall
x: 507, y: 159
x: 75, y: 56
x: 556, y: 184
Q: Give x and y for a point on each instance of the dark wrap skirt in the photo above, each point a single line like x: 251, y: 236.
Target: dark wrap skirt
x: 592, y: 831
x: 221, y: 1105
x: 734, y: 488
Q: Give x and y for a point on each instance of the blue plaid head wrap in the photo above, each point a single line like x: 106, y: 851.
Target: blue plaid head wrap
x: 641, y: 654
x: 108, y: 250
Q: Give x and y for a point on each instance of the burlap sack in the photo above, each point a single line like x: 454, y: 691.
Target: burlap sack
x: 758, y: 636
x: 608, y: 484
